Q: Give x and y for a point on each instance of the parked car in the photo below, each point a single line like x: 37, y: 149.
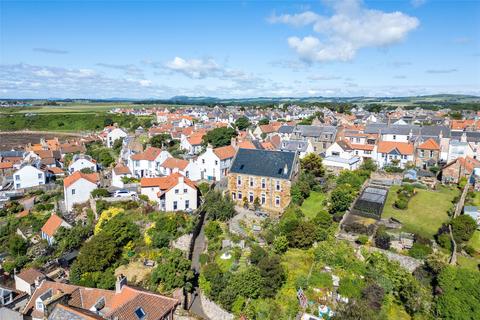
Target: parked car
x: 124, y: 193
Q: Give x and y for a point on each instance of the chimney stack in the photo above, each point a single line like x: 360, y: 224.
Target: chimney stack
x: 121, y: 281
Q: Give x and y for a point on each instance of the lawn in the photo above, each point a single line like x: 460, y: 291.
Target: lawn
x: 426, y: 211
x: 313, y: 204
x: 475, y: 241
x: 475, y: 201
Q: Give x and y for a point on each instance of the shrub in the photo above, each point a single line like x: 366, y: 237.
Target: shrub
x: 419, y: 251
x: 362, y: 239
x: 401, y: 203
x: 100, y: 193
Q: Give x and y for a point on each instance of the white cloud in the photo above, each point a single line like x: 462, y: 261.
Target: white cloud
x: 439, y: 71
x: 418, y: 3
x: 193, y: 68
x: 350, y: 28
x: 297, y: 20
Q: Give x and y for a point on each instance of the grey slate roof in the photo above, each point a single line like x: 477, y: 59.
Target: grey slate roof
x: 286, y: 129
x: 315, y: 131
x: 294, y: 145
x: 472, y: 136
x: 264, y: 163
x: 424, y: 131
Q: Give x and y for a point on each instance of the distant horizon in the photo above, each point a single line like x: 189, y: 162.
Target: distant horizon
x: 120, y: 99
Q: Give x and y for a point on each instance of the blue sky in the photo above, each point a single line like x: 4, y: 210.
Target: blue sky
x: 158, y: 49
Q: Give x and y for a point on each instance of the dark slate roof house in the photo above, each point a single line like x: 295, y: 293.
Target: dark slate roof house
x: 265, y: 163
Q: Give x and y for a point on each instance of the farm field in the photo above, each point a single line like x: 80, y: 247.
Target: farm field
x: 426, y: 211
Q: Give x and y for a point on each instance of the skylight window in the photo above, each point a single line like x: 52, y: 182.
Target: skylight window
x: 140, y: 313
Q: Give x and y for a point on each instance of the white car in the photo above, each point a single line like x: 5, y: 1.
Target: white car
x: 124, y: 193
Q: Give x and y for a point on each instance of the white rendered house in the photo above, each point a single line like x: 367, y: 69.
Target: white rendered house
x: 78, y: 187
x: 27, y: 177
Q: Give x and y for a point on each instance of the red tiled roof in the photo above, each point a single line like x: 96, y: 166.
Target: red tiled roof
x: 196, y: 138
x: 165, y: 183
x: 267, y: 145
x: 121, y: 169
x: 246, y: 144
x: 366, y: 147
x: 56, y: 170
x: 6, y: 165
x: 173, y: 163
x: 52, y: 225
x: 149, y: 154
x: 224, y: 152
x: 430, y: 144
x: 29, y: 275
x: 388, y: 146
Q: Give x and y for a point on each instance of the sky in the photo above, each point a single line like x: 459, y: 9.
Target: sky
x: 237, y: 49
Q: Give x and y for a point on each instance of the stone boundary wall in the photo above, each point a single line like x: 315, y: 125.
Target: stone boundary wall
x: 214, y: 311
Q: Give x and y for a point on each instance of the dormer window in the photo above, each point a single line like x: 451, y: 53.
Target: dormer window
x: 140, y: 313
x: 39, y: 305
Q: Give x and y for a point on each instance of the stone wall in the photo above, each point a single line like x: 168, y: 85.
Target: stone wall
x: 214, y: 311
x: 269, y: 191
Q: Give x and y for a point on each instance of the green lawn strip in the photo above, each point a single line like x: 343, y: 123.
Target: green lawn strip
x: 475, y: 241
x: 313, y: 204
x: 426, y: 211
x: 468, y: 262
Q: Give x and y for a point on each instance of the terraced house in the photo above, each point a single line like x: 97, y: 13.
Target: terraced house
x: 264, y: 175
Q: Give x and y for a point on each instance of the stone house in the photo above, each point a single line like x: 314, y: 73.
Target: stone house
x: 453, y: 171
x: 427, y: 154
x: 263, y: 174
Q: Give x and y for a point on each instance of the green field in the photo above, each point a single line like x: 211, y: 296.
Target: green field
x: 426, y: 211
x: 313, y: 204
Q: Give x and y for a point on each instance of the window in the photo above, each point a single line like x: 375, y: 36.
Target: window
x: 335, y: 153
x: 263, y: 183
x: 18, y: 185
x: 277, y: 186
x: 39, y: 306
x: 176, y: 191
x: 368, y: 152
x: 251, y: 182
x: 405, y: 157
x: 239, y: 180
x: 277, y: 201
x: 185, y: 190
x: 187, y: 174
x: 39, y: 176
x: 234, y: 196
x: 216, y: 162
x: 239, y: 195
x: 175, y: 205
x: 250, y: 197
x: 203, y: 161
x: 356, y: 152
x: 187, y: 204
x: 422, y: 153
x: 73, y: 191
x: 140, y: 313
x: 263, y: 199
x: 431, y: 153
x: 394, y: 137
x: 17, y: 177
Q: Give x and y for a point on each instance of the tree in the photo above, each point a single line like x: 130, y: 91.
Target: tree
x: 355, y: 310
x: 172, y: 271
x: 280, y: 244
x: 117, y: 145
x: 341, y: 198
x: 273, y: 275
x: 312, y: 163
x: 160, y: 140
x: 17, y: 246
x: 257, y: 253
x: 459, y: 294
x: 247, y: 283
x: 219, y: 137
x: 303, y: 236
x: 107, y: 122
x: 263, y: 121
x: 463, y: 228
x: 213, y: 230
x: 100, y: 192
x: 242, y: 123
x: 68, y: 239
x: 219, y: 207
x: 368, y: 165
